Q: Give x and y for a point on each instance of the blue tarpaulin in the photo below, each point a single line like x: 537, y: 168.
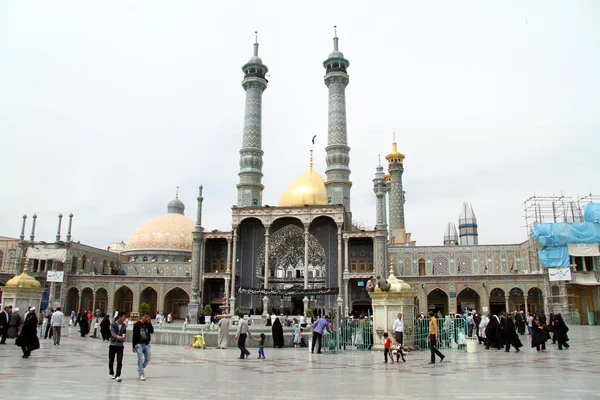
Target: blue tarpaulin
x: 591, y: 212
x: 564, y: 233
x: 555, y: 257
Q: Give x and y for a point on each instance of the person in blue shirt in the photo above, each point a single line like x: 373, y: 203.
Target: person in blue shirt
x: 320, y: 326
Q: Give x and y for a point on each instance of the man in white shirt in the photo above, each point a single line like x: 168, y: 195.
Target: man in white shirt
x: 399, y: 329
x: 57, y: 323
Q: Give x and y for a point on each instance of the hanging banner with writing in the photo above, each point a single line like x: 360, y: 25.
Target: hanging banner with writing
x: 55, y: 276
x: 290, y: 292
x: 559, y: 274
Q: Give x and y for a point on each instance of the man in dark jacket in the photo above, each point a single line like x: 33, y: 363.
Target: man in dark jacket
x: 117, y: 337
x: 142, y: 330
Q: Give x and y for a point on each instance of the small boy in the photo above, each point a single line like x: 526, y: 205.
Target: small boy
x: 302, y: 342
x: 261, y: 346
x: 387, y: 346
x: 399, y: 352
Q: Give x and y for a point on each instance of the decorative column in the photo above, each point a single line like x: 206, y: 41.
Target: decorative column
x: 306, y: 233
x: 69, y: 229
x: 338, y: 182
x: 228, y: 270
x: 32, y: 236
x: 60, y: 216
x: 340, y: 300
x: 379, y: 253
x: 197, y: 254
x: 250, y: 187
x: 233, y: 271
x: 396, y: 167
x: 526, y: 308
x: 346, y: 275
x: 202, y: 270
x: 507, y: 307
x: 265, y: 299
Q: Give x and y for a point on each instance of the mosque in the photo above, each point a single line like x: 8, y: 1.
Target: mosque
x: 303, y: 253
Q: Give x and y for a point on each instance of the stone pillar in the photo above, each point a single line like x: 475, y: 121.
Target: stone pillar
x: 228, y: 271
x: 233, y: 272
x: 306, y: 233
x: 197, y: 254
x: 507, y: 304
x: 265, y: 299
x: 526, y: 308
x: 202, y: 271
x: 340, y: 301
x: 227, y: 288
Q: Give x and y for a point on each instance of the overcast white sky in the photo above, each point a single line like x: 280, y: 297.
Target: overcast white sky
x: 106, y: 107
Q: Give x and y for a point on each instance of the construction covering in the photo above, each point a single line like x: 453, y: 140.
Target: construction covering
x: 591, y: 213
x: 564, y: 233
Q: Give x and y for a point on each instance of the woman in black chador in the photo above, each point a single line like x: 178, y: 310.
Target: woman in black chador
x: 510, y: 336
x: 560, y: 330
x: 105, y: 328
x: 84, y: 326
x: 28, y: 338
x: 538, y: 336
x: 277, y: 331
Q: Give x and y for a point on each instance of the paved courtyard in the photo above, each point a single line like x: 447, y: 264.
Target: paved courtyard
x: 78, y: 369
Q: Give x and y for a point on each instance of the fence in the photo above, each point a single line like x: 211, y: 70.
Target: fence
x: 572, y: 318
x: 452, y: 334
x: 354, y: 334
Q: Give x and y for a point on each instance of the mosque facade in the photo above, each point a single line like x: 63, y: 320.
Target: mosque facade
x: 305, y: 243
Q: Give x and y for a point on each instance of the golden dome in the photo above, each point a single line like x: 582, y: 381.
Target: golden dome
x: 308, y: 189
x: 395, y: 156
x: 24, y: 281
x: 171, y: 232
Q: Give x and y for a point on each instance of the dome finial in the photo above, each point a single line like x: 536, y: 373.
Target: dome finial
x: 335, y: 38
x: 177, y: 192
x: 255, y: 43
x: 311, y: 152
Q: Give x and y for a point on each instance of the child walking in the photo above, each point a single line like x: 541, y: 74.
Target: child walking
x: 261, y: 346
x: 302, y: 342
x: 296, y: 336
x: 399, y: 352
x: 387, y: 346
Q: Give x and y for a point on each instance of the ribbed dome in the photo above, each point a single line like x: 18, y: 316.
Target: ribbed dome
x: 172, y: 232
x: 308, y: 189
x: 24, y: 281
x: 176, y: 206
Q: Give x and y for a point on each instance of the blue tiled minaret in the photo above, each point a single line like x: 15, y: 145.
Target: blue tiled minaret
x: 338, y: 182
x: 250, y: 187
x: 380, y: 188
x: 396, y: 168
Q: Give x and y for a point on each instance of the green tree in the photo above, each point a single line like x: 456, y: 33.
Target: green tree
x: 308, y: 313
x: 145, y: 307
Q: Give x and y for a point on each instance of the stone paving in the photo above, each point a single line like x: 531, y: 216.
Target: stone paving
x: 78, y: 369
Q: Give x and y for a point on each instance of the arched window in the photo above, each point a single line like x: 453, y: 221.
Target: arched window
x: 213, y: 266
x: 422, y: 267
x: 310, y: 274
x: 363, y: 266
x: 317, y: 273
x: 289, y: 274
x: 370, y: 265
x: 145, y: 259
x: 353, y: 266
x: 222, y: 266
x: 83, y: 262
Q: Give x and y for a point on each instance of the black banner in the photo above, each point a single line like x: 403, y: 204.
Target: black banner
x: 290, y: 292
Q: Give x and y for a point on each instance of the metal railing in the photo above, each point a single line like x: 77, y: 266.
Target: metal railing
x: 452, y: 334
x: 572, y: 318
x: 353, y: 334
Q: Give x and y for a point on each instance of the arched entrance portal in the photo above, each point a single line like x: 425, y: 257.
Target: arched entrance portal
x: 437, y: 301
x: 72, y: 303
x: 534, y: 301
x: 149, y: 296
x: 362, y: 307
x: 87, y: 299
x: 497, y: 301
x: 124, y: 299
x: 176, y: 303
x: 101, y: 300
x: 516, y: 301
x: 467, y: 300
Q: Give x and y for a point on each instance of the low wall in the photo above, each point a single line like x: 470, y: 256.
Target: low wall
x: 181, y: 338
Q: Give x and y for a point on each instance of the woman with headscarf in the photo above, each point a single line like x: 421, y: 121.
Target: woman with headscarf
x: 105, y: 328
x: 560, y: 330
x: 538, y: 338
x: 84, y: 326
x: 14, y: 323
x: 28, y: 338
x: 223, y: 332
x: 277, y: 331
x: 510, y: 336
x: 485, y: 319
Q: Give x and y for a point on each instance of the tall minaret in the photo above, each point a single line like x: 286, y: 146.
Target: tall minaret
x: 379, y: 187
x: 250, y: 187
x: 467, y: 225
x: 338, y: 182
x: 395, y: 166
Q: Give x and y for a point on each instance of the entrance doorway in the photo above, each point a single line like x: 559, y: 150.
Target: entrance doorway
x: 437, y: 301
x: 497, y: 301
x: 467, y: 300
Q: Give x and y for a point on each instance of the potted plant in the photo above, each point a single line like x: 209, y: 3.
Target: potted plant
x: 207, y: 313
x: 145, y: 307
x: 308, y: 313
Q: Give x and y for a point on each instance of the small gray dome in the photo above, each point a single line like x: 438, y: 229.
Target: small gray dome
x: 176, y: 207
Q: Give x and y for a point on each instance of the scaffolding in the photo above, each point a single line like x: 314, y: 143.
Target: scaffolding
x: 552, y: 209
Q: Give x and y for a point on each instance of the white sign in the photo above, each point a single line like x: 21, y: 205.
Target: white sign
x: 559, y: 274
x: 55, y: 276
